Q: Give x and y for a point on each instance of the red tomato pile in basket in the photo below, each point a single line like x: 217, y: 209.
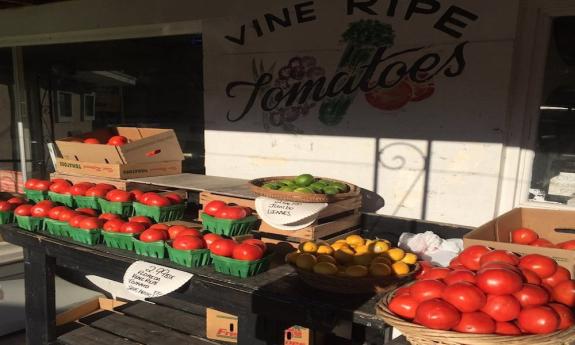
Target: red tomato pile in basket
x: 488, y: 291
x: 531, y: 238
x: 220, y: 209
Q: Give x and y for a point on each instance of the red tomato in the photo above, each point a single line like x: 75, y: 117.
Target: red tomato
x: 425, y: 266
x: 437, y: 314
x: 109, y: 216
x: 423, y: 290
x: 523, y: 236
x: 249, y: 210
x: 570, y: 245
x: 47, y: 203
x: 87, y: 184
x: 42, y: 185
x: 464, y: 296
x: 560, y: 275
x: 16, y: 201
x: 532, y: 295
x: 40, y: 210
x: 66, y: 215
x: 104, y: 186
x: 530, y: 276
x: 223, y: 247
x: 475, y: 322
x: 459, y: 275
x: 133, y: 228
x: 389, y: 99
x: 141, y: 219
x: 541, y: 242
x: 564, y: 292
x: 76, y: 220
x: 404, y: 290
x: 173, y: 198
x: 137, y: 194
x: 5, y: 206
x: 211, y: 238
x: 404, y: 306
x: 231, y: 212
x: 163, y: 227
x: 60, y: 187
x: 78, y: 189
x: 31, y: 183
x: 59, y: 180
x: 502, y: 308
x: 566, y: 317
x: 541, y: 265
x: 174, y: 230
x: 90, y: 223
x: 96, y: 192
x: 113, y: 225
x: 87, y: 211
x: 144, y: 198
x: 116, y: 195
x: 471, y: 256
x: 538, y: 320
x: 498, y: 281
x: 188, y: 243
x: 506, y: 328
x: 117, y: 140
x: 437, y: 273
x: 256, y: 242
x: 153, y: 235
x: 189, y: 232
x: 503, y: 265
x: 54, y: 213
x: 247, y: 252
x: 91, y: 141
x: 499, y: 256
x: 455, y: 263
x: 23, y: 210
x: 158, y: 201
x: 212, y: 207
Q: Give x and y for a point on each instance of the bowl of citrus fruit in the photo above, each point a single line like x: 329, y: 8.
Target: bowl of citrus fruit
x: 353, y: 265
x: 303, y: 188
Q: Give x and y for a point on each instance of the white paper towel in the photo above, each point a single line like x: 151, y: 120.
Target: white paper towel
x: 429, y: 246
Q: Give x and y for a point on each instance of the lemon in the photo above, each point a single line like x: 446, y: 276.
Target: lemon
x: 306, y: 261
x: 355, y: 240
x: 379, y: 269
x: 396, y: 254
x: 326, y: 258
x: 356, y: 271
x: 339, y: 245
x: 308, y: 247
x: 380, y: 247
x: 382, y: 259
x: 363, y: 259
x: 291, y: 257
x: 400, y: 268
x: 409, y: 258
x: 327, y: 268
x: 344, y: 255
x: 364, y: 249
x: 323, y: 249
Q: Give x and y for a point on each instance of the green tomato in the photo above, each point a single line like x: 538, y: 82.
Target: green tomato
x: 341, y: 186
x: 316, y: 187
x: 305, y: 190
x: 330, y: 190
x: 273, y: 186
x: 287, y: 182
x: 287, y: 189
x: 304, y: 180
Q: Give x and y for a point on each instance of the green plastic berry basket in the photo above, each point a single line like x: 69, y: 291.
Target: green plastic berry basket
x: 55, y: 227
x: 6, y: 217
x: 35, y: 195
x: 124, y: 209
x: 89, y: 237
x: 118, y: 240
x: 153, y: 249
x: 87, y: 202
x: 240, y: 268
x: 160, y: 214
x: 64, y: 199
x: 189, y: 258
x: 229, y: 227
x: 30, y: 223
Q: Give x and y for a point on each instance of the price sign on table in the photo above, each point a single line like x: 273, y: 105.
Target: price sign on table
x: 147, y: 280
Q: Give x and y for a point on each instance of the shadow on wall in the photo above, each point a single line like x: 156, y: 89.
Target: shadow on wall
x: 371, y: 202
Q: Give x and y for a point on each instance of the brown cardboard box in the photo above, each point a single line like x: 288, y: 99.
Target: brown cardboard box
x: 297, y: 335
x: 546, y: 222
x: 121, y: 171
x: 221, y: 326
x: 146, y: 145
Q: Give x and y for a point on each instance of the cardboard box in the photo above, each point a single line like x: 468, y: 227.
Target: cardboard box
x: 120, y: 171
x: 297, y: 335
x: 221, y: 326
x: 553, y: 225
x: 146, y: 145
x: 93, y: 306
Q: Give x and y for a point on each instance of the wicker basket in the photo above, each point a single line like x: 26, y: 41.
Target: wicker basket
x: 256, y: 187
x: 353, y: 285
x: 419, y: 335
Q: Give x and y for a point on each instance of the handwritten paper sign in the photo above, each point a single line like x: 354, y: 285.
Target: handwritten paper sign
x: 147, y: 280
x: 288, y: 215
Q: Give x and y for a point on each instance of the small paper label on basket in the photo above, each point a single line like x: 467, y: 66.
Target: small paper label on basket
x: 294, y: 215
x: 147, y: 280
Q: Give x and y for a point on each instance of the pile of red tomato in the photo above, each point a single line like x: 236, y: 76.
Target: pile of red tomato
x: 116, y: 140
x: 81, y: 218
x: 220, y: 209
x: 248, y: 250
x: 531, y: 238
x: 36, y: 184
x: 10, y: 204
x: 488, y: 291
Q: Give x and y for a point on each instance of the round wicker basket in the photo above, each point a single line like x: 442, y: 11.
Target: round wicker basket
x: 256, y: 187
x: 419, y: 335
